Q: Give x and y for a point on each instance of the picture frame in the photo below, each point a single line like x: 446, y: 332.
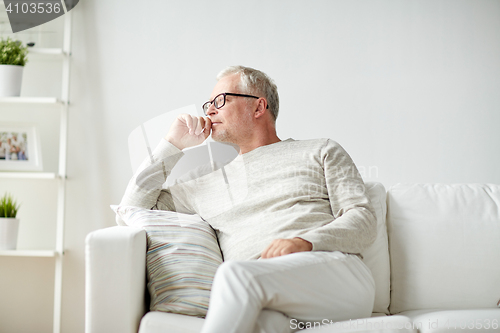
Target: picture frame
x: 20, y: 148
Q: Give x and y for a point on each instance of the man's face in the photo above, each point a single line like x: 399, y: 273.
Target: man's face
x: 231, y: 123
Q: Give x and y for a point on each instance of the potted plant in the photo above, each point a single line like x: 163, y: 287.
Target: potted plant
x: 9, y: 224
x: 12, y: 60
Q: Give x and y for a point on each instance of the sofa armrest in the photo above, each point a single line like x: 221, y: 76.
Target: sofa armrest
x: 115, y: 280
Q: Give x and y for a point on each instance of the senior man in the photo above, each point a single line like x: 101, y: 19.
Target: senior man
x: 292, y: 217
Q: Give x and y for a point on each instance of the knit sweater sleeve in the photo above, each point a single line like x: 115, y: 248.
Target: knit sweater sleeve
x: 353, y: 227
x: 145, y: 188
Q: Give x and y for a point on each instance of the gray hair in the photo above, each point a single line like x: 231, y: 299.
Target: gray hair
x: 253, y: 81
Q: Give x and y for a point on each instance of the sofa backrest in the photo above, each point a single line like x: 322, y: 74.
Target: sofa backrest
x: 444, y: 243
x: 376, y: 257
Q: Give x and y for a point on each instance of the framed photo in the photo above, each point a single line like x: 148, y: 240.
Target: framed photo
x: 20, y: 148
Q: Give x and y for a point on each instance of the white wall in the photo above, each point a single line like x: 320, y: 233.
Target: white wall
x: 409, y: 88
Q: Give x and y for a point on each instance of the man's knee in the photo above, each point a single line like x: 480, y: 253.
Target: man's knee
x: 235, y: 278
x: 233, y: 271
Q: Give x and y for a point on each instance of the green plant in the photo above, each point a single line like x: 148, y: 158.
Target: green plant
x: 12, y: 52
x: 8, y: 206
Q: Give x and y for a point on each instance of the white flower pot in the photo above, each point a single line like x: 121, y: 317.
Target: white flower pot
x: 11, y: 77
x: 8, y: 233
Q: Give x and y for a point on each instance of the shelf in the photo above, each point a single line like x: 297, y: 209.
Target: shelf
x: 30, y: 100
x: 29, y: 253
x: 48, y: 51
x: 28, y: 175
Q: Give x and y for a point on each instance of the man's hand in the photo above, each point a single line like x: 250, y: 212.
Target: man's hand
x: 280, y: 247
x: 188, y: 131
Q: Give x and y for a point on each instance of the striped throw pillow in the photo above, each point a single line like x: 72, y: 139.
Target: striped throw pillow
x: 183, y: 255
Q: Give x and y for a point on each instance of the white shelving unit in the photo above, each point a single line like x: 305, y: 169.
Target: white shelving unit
x: 62, y: 103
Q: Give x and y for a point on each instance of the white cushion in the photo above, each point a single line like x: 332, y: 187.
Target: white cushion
x: 446, y: 321
x: 162, y: 322
x: 444, y: 246
x: 182, y: 258
x: 376, y: 257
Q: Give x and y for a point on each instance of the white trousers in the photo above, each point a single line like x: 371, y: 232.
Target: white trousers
x: 275, y: 295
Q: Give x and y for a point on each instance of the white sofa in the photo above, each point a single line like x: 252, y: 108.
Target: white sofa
x: 436, y: 264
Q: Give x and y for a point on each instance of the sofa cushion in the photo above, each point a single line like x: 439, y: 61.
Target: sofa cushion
x: 182, y: 257
x: 161, y: 322
x: 444, y: 246
x: 376, y: 257
x: 446, y: 321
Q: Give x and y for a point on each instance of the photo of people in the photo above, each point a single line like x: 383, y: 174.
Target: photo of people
x: 20, y: 148
x: 14, y: 146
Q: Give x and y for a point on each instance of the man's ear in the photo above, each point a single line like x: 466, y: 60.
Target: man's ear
x: 261, y: 107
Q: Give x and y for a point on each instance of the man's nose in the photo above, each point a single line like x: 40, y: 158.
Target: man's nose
x: 211, y: 110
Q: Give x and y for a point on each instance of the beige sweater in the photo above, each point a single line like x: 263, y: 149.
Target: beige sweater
x: 309, y: 189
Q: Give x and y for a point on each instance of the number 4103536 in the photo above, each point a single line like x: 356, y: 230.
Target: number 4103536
x: 34, y: 8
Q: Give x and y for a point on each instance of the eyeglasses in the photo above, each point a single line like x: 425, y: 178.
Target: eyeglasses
x: 220, y: 100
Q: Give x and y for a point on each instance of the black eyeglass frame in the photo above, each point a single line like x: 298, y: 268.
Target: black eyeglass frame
x: 224, y: 102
